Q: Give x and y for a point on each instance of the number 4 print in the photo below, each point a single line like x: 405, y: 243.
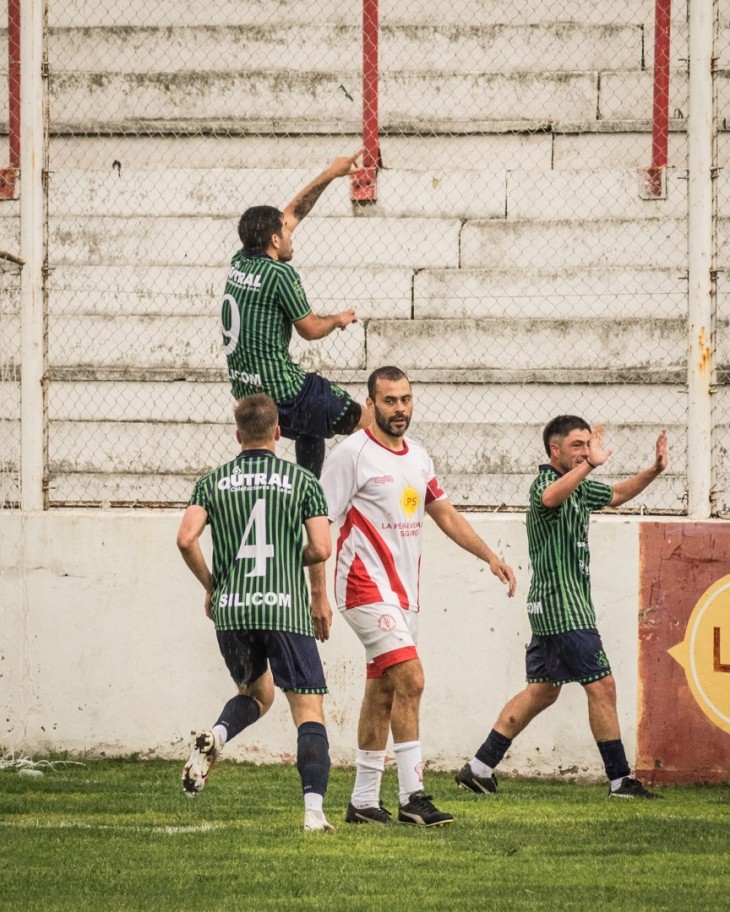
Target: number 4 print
x: 259, y: 550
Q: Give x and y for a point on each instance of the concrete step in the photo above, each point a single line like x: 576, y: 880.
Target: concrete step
x: 246, y: 14
x: 465, y: 193
x: 498, y: 404
x: 265, y: 101
x: 428, y: 243
x: 571, y: 244
x: 331, y: 242
x: 529, y: 345
x: 535, y: 348
x: 140, y: 343
x: 597, y: 293
x: 218, y: 192
x: 189, y: 291
x: 459, y: 48
x: 495, y: 468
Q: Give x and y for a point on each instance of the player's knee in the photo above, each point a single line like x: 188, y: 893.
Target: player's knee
x: 352, y: 419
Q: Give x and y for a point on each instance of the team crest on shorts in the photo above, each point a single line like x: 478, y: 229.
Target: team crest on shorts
x: 386, y: 622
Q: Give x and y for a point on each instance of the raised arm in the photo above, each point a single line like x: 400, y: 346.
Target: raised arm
x: 628, y: 488
x: 453, y: 525
x: 303, y: 202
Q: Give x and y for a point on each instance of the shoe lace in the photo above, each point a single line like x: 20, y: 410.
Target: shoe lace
x: 423, y: 801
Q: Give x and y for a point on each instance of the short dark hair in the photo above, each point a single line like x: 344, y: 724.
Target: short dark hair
x: 561, y: 426
x: 384, y: 373
x: 256, y: 227
x: 256, y: 418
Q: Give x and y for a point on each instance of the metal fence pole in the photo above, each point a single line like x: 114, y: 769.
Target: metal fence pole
x: 32, y: 220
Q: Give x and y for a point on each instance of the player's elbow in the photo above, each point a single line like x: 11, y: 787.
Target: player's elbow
x: 185, y: 541
x: 318, y: 552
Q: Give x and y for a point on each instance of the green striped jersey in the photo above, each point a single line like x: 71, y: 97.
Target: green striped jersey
x: 559, y: 598
x: 262, y: 298
x: 257, y: 505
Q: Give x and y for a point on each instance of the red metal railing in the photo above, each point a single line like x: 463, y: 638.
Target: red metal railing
x: 660, y: 116
x: 364, y: 186
x: 8, y: 176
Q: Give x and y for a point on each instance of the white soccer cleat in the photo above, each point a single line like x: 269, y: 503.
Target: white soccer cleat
x: 195, y: 772
x: 315, y: 820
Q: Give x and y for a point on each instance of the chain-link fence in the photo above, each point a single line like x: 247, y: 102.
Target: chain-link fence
x: 512, y: 264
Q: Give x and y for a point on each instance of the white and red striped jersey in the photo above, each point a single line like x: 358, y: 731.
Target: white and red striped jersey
x: 378, y: 498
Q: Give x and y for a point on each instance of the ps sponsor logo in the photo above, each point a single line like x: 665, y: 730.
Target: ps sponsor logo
x: 410, y: 500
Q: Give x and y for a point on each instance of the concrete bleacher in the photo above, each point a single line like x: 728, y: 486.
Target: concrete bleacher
x: 515, y: 267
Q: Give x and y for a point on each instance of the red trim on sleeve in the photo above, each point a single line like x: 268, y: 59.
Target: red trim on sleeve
x: 433, y: 491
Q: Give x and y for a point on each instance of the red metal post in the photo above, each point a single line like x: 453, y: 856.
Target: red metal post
x: 9, y: 175
x: 660, y: 116
x: 363, y: 186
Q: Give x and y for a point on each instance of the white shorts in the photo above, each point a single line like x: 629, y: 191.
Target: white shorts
x: 388, y: 634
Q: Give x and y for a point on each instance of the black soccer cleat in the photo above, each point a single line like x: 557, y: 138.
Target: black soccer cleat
x: 631, y: 788
x: 480, y: 785
x: 419, y: 810
x: 377, y: 814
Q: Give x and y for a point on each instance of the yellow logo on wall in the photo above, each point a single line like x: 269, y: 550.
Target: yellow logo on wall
x: 705, y: 653
x: 409, y: 500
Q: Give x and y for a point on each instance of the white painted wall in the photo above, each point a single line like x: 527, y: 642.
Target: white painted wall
x: 104, y: 648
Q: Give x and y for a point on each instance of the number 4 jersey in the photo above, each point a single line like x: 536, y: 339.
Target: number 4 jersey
x: 257, y: 505
x: 378, y: 497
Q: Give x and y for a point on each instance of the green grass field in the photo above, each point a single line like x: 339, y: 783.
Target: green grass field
x: 120, y: 835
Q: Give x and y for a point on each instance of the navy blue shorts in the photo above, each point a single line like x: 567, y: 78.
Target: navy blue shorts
x: 293, y: 658
x: 566, y: 657
x: 320, y: 409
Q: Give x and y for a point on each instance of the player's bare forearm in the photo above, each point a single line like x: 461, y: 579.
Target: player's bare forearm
x: 453, y: 525
x: 193, y: 557
x: 314, y: 327
x: 627, y: 489
x: 304, y: 201
x: 561, y: 489
x: 321, y: 608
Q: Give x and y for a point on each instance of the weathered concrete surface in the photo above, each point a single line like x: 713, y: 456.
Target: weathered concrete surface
x: 270, y: 45
x: 598, y: 293
x: 369, y: 242
x: 245, y: 12
x: 528, y: 344
x: 73, y: 598
x: 534, y: 244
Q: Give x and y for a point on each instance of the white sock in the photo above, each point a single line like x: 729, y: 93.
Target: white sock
x: 369, y: 766
x: 480, y: 769
x: 221, y: 733
x: 410, y: 769
x: 615, y: 783
x: 313, y: 802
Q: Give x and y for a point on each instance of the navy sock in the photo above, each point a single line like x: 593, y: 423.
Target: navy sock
x: 614, y: 759
x: 493, y: 749
x: 313, y: 757
x: 310, y: 453
x: 238, y: 713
